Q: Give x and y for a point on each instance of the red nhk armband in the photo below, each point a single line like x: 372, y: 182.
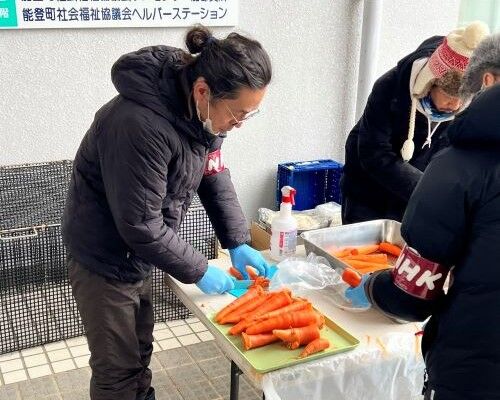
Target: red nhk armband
x: 418, y: 276
x: 214, y: 163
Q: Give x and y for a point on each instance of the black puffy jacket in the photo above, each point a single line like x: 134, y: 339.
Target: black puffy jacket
x: 376, y: 182
x: 453, y: 218
x: 136, y: 172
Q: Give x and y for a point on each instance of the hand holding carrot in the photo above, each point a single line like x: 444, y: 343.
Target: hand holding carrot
x: 244, y: 255
x: 357, y: 296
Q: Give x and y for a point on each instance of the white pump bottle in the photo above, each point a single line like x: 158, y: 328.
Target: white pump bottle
x: 284, y: 227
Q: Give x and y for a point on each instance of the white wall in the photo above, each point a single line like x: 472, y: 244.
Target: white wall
x: 408, y: 23
x: 53, y: 81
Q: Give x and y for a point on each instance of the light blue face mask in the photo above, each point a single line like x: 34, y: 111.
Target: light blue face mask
x: 431, y: 111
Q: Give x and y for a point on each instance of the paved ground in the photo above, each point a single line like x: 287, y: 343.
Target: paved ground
x: 184, y: 369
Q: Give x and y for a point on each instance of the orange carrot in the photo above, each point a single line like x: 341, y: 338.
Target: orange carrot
x: 296, y: 337
x: 255, y: 311
x: 288, y: 320
x: 237, y: 274
x: 315, y: 346
x: 390, y: 248
x: 295, y: 306
x: 346, y: 251
x: 373, y: 268
x: 247, y: 315
x: 251, y: 273
x: 320, y: 321
x: 373, y: 258
x: 359, y: 265
x: 234, y: 272
x: 351, y: 277
x: 236, y: 315
x: 354, y: 251
x: 249, y: 295
x: 276, y: 300
x: 367, y: 249
x: 240, y: 326
x: 260, y: 281
x: 253, y: 341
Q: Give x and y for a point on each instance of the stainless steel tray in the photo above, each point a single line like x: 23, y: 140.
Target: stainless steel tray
x: 320, y: 241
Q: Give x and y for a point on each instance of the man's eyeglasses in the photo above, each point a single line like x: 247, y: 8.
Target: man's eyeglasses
x: 243, y: 117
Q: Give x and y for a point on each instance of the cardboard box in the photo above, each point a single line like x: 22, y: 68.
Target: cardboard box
x: 261, y: 239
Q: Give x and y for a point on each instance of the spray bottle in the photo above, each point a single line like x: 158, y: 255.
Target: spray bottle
x: 284, y: 227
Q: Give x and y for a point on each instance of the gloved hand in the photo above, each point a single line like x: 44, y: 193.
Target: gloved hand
x: 215, y: 281
x: 357, y: 294
x: 244, y: 255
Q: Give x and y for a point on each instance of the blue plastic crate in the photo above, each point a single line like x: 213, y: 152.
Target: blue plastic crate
x: 316, y: 182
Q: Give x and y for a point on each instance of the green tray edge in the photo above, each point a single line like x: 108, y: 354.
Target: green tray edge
x: 291, y: 355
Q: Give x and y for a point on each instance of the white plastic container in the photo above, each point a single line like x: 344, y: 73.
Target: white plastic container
x: 332, y: 211
x: 284, y: 227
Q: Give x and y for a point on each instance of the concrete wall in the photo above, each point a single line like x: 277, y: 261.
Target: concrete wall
x: 53, y: 81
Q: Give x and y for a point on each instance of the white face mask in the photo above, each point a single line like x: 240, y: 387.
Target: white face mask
x: 207, y: 124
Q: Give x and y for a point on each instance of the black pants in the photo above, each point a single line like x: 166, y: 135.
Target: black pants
x: 118, y: 320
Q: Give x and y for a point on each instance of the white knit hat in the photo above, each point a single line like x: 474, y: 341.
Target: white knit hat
x: 452, y: 54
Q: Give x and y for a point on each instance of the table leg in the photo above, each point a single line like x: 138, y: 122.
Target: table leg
x: 235, y: 381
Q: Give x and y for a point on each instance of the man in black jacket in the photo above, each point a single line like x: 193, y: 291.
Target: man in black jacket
x: 403, y: 125
x: 452, y: 223
x: 137, y: 169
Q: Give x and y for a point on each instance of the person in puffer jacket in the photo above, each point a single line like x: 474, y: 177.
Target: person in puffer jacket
x: 452, y: 226
x: 403, y: 125
x: 147, y: 153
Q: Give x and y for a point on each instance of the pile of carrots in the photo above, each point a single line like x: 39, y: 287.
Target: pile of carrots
x: 262, y: 318
x: 368, y: 258
x: 258, y: 280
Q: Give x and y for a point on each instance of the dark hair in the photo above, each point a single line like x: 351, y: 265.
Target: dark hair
x: 450, y: 82
x: 485, y: 58
x: 227, y: 64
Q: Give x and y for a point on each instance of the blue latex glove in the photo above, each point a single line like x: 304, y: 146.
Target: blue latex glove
x: 215, y: 281
x: 244, y: 255
x: 357, y: 294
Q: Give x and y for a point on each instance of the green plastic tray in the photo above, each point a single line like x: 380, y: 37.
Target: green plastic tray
x: 275, y: 356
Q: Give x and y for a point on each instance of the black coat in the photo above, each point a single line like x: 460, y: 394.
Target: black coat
x: 453, y: 218
x: 136, y: 172
x: 377, y: 183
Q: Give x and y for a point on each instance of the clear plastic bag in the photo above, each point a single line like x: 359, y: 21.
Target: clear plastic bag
x: 331, y: 211
x: 306, y: 220
x: 313, y: 274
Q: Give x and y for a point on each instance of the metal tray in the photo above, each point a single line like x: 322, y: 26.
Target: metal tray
x: 320, y: 241
x: 275, y: 356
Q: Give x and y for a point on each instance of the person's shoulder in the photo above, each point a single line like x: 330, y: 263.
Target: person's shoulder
x: 134, y: 122
x: 468, y: 161
x: 423, y: 50
x: 389, y: 78
x: 132, y: 115
x: 431, y: 43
